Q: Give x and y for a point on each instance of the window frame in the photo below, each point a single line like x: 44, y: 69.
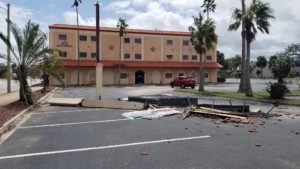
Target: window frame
x: 61, y: 54
x: 124, y: 40
x: 169, y: 57
x: 94, y: 54
x: 122, y: 76
x: 193, y: 57
x: 167, y: 77
x: 80, y: 53
x: 184, y: 44
x: 126, y: 54
x: 183, y: 57
x: 138, y: 40
x: 169, y: 42
x: 208, y: 56
x: 138, y: 54
x: 83, y: 36
x: 62, y: 35
x: 92, y: 38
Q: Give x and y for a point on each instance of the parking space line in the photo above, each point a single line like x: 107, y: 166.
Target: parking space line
x: 102, y: 147
x: 67, y: 111
x: 68, y: 124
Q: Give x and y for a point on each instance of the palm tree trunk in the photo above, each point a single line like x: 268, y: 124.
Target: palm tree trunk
x: 25, y: 90
x: 248, y: 91
x: 261, y: 73
x: 201, y: 75
x: 119, y: 72
x: 242, y: 80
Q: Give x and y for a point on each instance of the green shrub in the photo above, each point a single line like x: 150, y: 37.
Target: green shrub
x: 277, y: 90
x: 221, y: 79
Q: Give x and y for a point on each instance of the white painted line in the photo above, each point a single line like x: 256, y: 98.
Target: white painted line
x: 68, y: 124
x: 67, y: 111
x: 101, y: 148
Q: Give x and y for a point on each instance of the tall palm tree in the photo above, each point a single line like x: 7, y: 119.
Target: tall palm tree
x: 122, y: 25
x: 242, y: 86
x: 29, y: 52
x: 203, y: 37
x: 76, y: 4
x: 256, y: 17
x: 209, y: 6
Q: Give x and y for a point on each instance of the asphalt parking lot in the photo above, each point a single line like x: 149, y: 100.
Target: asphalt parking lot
x: 72, y: 137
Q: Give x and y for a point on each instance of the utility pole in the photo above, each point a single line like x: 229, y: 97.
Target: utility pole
x: 8, y: 51
x: 99, y: 66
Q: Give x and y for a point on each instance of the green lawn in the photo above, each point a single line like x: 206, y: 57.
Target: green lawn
x: 258, y: 96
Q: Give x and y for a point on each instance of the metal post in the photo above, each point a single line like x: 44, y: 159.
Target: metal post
x: 8, y: 51
x: 78, y: 51
x: 97, y: 32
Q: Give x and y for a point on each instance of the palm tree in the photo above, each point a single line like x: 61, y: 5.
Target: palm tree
x: 209, y: 6
x: 261, y: 63
x: 28, y: 53
x: 242, y: 86
x: 51, y: 66
x: 256, y: 17
x: 203, y: 37
x: 76, y: 4
x: 122, y: 25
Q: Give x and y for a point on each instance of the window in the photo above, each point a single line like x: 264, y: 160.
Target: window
x: 168, y: 75
x: 93, y: 38
x: 194, y: 57
x: 93, y: 76
x: 208, y: 57
x: 206, y: 75
x: 138, y: 56
x: 82, y: 38
x: 185, y: 57
x: 82, y: 54
x: 93, y: 55
x: 180, y: 74
x: 169, y: 42
x: 126, y: 56
x: 138, y: 40
x: 126, y: 40
x: 62, y: 37
x: 123, y: 76
x: 63, y: 54
x: 169, y: 57
x: 185, y: 43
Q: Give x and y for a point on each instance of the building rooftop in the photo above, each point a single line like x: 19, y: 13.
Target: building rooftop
x: 111, y: 29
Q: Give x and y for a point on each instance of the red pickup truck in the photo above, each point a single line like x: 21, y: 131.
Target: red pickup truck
x: 183, y: 82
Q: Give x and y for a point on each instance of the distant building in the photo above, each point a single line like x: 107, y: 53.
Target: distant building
x: 266, y: 71
x: 147, y: 56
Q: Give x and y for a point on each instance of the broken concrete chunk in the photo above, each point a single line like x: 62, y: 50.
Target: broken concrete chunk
x: 65, y: 101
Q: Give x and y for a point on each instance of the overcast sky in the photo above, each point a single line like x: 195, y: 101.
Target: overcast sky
x: 162, y: 15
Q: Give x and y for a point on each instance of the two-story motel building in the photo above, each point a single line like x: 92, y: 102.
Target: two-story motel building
x: 147, y: 56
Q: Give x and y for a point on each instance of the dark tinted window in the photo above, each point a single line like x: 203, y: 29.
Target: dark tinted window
x: 93, y: 38
x: 169, y: 57
x: 138, y: 40
x: 63, y: 54
x: 126, y: 40
x: 168, y: 75
x: 127, y: 56
x: 93, y: 55
x: 185, y: 57
x: 138, y: 56
x: 194, y: 57
x: 169, y: 42
x: 62, y: 37
x: 185, y: 43
x: 82, y: 54
x: 123, y: 75
x: 82, y: 37
x: 208, y: 57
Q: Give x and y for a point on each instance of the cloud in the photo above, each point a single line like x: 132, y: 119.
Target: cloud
x: 177, y: 15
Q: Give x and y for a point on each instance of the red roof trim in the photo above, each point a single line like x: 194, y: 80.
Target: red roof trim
x: 109, y: 29
x: 144, y: 64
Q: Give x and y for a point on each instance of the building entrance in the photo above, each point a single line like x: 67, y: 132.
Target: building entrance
x: 139, y: 77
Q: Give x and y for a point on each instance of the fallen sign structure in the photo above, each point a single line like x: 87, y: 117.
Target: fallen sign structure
x: 65, y: 101
x: 112, y: 104
x: 151, y: 113
x: 229, y: 116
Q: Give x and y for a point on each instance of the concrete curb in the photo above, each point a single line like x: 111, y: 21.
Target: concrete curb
x: 19, y: 116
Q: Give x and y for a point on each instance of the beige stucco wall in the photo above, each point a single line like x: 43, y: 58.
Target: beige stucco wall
x: 152, y: 48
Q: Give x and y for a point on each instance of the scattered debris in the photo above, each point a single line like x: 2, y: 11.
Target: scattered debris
x: 253, y: 130
x: 151, y: 113
x: 258, y: 145
x: 144, y: 152
x: 65, y: 101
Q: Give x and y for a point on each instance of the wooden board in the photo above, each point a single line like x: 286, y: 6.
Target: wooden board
x: 215, y: 112
x: 112, y: 104
x: 65, y: 101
